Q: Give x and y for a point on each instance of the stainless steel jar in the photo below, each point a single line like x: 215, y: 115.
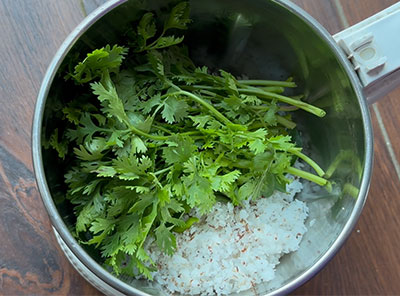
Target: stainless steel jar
x: 261, y: 38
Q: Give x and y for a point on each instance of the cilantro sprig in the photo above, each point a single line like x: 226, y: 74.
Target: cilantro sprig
x: 159, y: 137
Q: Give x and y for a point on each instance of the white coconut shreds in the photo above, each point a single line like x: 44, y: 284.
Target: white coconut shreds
x: 232, y: 249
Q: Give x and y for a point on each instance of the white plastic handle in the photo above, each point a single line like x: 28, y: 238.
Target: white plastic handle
x: 373, y: 47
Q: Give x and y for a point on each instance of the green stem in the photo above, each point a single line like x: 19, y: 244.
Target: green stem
x: 351, y: 190
x: 187, y: 225
x: 274, y: 89
x: 308, y: 160
x: 268, y: 83
x: 143, y: 134
x: 288, y: 108
x: 162, y: 129
x: 163, y: 170
x: 308, y: 176
x: 346, y: 155
x: 285, y: 122
x: 202, y: 87
x: 199, y: 100
x: 280, y: 119
x: 191, y: 133
x: 269, y: 95
x: 280, y: 108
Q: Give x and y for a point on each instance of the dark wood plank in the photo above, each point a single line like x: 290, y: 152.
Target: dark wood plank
x: 389, y: 109
x: 31, y: 263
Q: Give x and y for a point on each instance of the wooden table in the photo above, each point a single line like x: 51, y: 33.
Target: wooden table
x: 31, y: 261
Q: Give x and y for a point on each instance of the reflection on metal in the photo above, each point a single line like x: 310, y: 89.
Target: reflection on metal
x: 350, y: 190
x: 83, y: 8
x: 345, y: 156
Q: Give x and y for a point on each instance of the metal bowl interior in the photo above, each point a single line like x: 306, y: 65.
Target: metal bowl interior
x: 259, y: 39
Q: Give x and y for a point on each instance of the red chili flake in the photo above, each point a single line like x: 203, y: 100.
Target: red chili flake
x: 298, y: 235
x: 247, y: 227
x: 240, y: 235
x: 244, y: 250
x: 191, y: 235
x: 210, y: 249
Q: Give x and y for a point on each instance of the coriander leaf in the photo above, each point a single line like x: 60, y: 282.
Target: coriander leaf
x: 281, y: 142
x: 230, y: 82
x: 138, y: 145
x: 246, y: 190
x: 146, y: 28
x: 174, y: 109
x: 83, y: 154
x: 257, y: 146
x: 179, y: 150
x: 155, y: 60
x: 179, y: 17
x: 112, y: 104
x: 60, y: 146
x: 131, y: 168
x: 139, y: 189
x: 167, y: 41
x: 164, y: 195
x: 91, y: 186
x: 147, y: 223
x: 145, y: 125
x: 115, y: 139
x: 102, y: 227
x: 105, y: 171
x: 198, y: 189
x: 72, y: 114
x: 84, y: 131
x: 223, y: 183
x: 145, y: 200
x: 200, y: 121
x: 92, y: 209
x: 251, y: 100
x: 270, y: 116
x: 166, y: 241
x: 97, y: 62
x: 148, y: 105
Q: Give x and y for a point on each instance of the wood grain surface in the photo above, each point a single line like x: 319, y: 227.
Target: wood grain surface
x: 31, y: 263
